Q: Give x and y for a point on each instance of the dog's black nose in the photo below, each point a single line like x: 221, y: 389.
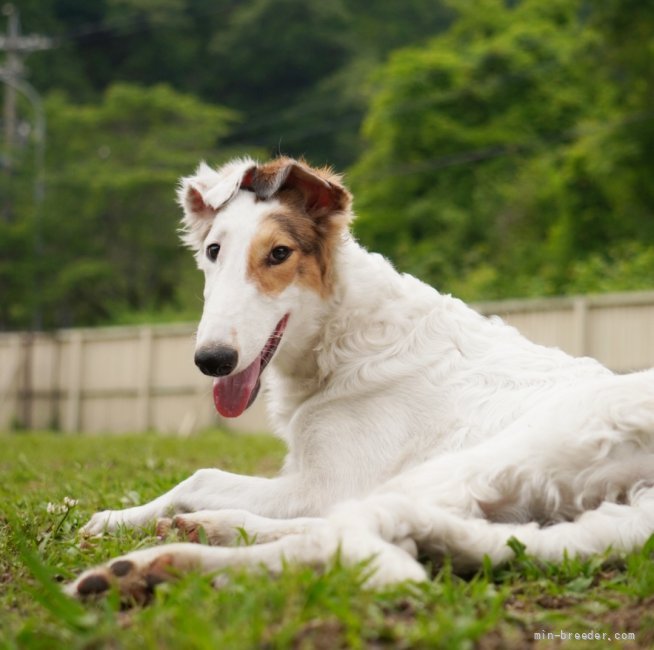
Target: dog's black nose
x: 216, y: 361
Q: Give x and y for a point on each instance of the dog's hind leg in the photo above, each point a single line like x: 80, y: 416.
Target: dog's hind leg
x: 610, y: 527
x: 225, y: 527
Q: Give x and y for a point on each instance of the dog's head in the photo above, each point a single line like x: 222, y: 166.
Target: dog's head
x: 264, y: 235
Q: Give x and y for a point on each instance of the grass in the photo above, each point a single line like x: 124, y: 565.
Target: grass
x: 494, y: 608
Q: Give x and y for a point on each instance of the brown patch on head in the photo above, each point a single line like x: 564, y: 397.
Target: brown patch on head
x: 309, y: 262
x: 314, y: 215
x: 320, y: 188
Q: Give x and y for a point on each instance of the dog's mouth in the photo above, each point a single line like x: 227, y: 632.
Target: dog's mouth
x: 234, y: 393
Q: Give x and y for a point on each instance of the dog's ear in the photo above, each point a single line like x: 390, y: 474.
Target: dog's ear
x: 191, y: 194
x: 202, y: 195
x: 320, y: 189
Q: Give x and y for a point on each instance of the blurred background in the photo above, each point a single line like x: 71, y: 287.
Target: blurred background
x: 496, y: 148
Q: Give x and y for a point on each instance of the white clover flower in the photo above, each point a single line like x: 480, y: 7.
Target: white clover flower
x: 61, y: 508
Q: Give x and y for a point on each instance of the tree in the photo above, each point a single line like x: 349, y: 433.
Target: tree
x: 501, y: 155
x: 296, y: 70
x: 110, y: 219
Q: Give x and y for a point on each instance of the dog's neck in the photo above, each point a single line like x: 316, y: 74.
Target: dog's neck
x: 322, y: 334
x: 360, y: 282
x: 366, y: 292
x: 297, y: 357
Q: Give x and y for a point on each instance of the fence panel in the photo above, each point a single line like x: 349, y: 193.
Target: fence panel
x: 122, y: 379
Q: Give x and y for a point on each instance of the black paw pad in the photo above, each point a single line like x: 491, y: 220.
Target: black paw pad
x: 93, y: 584
x: 121, y: 568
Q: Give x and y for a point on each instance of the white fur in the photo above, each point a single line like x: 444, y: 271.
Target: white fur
x: 412, y: 423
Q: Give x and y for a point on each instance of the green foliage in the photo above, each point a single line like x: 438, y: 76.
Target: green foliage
x: 503, y: 159
x: 272, y: 60
x: 507, y: 147
x: 302, y: 41
x: 108, y: 226
x: 294, y: 74
x: 301, y: 608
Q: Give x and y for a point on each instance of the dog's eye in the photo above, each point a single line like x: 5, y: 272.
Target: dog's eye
x: 212, y: 251
x: 279, y: 254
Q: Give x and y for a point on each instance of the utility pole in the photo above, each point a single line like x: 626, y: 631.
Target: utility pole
x: 12, y: 75
x: 16, y: 46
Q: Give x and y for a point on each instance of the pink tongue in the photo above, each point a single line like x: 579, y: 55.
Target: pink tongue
x: 231, y: 394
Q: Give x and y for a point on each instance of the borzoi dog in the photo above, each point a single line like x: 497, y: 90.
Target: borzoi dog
x: 415, y: 426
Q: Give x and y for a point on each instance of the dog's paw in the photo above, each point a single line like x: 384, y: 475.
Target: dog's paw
x: 218, y: 528
x: 391, y: 568
x: 163, y: 527
x: 108, y: 521
x: 190, y: 528
x: 100, y: 522
x: 135, y: 575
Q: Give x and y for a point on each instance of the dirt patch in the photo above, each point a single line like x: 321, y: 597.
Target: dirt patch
x: 634, y: 617
x: 533, y: 615
x: 320, y: 635
x: 556, y: 602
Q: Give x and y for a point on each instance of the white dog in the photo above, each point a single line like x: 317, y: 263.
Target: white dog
x: 414, y: 425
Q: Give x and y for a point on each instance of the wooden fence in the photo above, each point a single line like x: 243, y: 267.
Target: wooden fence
x: 139, y: 378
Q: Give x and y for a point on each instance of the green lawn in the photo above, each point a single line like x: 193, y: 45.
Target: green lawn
x: 500, y: 608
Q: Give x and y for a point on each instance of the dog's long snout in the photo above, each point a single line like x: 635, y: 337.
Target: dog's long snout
x: 216, y: 361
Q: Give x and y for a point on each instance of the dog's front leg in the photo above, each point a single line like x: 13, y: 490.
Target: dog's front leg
x: 350, y: 541
x: 213, y: 489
